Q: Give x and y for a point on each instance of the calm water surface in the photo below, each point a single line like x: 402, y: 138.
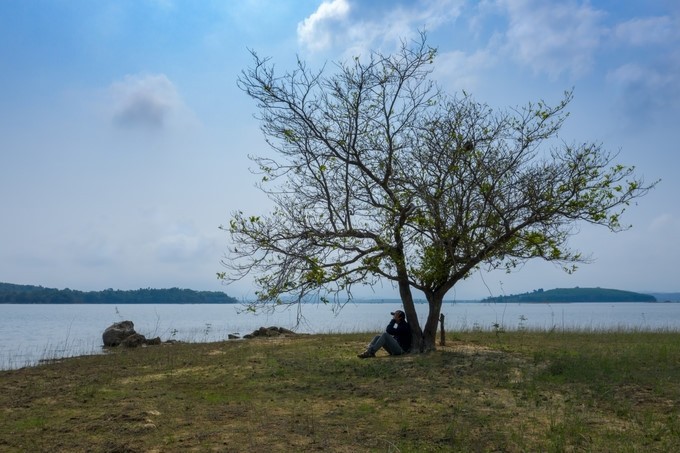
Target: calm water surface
x: 30, y: 333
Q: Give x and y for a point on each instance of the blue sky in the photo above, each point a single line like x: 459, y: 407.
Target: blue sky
x: 124, y: 139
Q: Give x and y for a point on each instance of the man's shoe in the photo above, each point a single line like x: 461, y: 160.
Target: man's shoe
x: 366, y: 354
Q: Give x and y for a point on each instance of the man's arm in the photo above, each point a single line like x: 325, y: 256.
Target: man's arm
x: 402, y: 329
x: 391, y: 329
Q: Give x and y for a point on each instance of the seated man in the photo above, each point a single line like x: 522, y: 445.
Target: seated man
x: 396, y: 339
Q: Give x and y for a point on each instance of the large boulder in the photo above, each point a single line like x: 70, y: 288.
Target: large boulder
x: 133, y: 341
x: 117, y: 332
x: 123, y: 333
x: 269, y: 332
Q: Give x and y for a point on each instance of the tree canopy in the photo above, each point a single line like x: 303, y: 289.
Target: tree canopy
x: 376, y: 174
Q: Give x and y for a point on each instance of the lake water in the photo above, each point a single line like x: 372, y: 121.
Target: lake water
x: 31, y: 333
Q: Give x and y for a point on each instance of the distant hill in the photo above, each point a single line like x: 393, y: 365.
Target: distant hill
x: 575, y: 295
x: 29, y: 294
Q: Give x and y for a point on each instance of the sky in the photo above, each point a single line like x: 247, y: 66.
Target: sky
x: 124, y: 139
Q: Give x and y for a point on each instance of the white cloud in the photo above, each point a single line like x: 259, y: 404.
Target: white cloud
x: 649, y: 88
x: 663, y: 223
x: 648, y: 76
x: 646, y: 31
x: 362, y: 26
x: 460, y: 71
x: 553, y: 37
x: 96, y: 251
x: 144, y: 101
x: 179, y: 241
x: 315, y: 32
x: 181, y: 247
x: 633, y: 74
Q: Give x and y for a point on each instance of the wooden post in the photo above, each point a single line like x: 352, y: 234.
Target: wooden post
x: 442, y: 334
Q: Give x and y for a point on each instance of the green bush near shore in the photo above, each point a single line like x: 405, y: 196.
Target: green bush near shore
x: 483, y: 391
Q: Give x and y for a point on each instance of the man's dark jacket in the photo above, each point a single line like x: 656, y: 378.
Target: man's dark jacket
x: 401, y: 332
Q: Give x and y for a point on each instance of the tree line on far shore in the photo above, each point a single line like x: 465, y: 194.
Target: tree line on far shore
x: 574, y: 295
x: 29, y: 294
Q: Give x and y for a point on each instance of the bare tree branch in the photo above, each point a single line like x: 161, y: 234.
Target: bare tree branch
x: 379, y: 175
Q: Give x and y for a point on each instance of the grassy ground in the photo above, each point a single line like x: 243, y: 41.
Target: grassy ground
x: 484, y: 391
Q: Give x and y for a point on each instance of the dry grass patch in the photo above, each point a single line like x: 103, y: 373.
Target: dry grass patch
x: 482, y: 392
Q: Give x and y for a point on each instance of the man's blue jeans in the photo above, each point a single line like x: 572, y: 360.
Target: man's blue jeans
x: 386, y: 341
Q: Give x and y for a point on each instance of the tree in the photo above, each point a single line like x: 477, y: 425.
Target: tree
x: 377, y: 174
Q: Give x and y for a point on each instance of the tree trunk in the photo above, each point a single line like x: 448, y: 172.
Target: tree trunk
x: 430, y: 332
x: 411, y: 316
x: 442, y: 332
